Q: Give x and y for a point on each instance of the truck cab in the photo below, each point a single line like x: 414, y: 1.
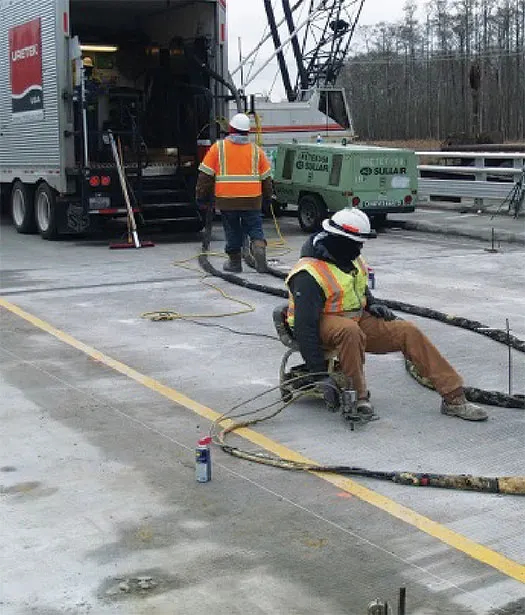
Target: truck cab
x: 323, y: 178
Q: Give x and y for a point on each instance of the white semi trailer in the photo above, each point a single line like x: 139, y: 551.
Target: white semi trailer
x: 158, y: 82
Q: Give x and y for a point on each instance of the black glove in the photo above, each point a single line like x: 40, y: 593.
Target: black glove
x: 379, y: 310
x: 330, y: 392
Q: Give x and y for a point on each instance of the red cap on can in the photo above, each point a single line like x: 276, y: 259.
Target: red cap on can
x: 204, y: 441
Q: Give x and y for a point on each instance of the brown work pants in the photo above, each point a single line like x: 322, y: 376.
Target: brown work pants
x: 352, y: 338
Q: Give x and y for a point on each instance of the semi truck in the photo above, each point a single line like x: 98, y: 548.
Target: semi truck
x: 150, y: 73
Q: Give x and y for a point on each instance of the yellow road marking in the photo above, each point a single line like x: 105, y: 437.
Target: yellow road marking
x: 476, y: 551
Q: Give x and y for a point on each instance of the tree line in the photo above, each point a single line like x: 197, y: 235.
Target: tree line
x: 457, y: 74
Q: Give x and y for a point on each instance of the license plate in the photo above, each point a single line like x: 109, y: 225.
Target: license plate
x: 99, y: 202
x: 382, y: 203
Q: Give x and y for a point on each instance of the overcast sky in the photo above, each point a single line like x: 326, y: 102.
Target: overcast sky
x: 247, y: 20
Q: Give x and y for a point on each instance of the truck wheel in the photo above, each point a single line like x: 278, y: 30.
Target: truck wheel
x: 45, y: 212
x: 22, y: 208
x: 311, y: 212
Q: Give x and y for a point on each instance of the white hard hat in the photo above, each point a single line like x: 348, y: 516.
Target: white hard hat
x: 351, y: 223
x: 240, y: 121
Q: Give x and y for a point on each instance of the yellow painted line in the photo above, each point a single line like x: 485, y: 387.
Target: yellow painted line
x: 473, y: 549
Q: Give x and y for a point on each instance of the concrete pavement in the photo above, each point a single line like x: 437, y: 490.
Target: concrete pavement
x: 490, y: 224
x: 101, y: 411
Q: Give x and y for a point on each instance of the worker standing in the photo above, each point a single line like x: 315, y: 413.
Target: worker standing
x: 92, y: 92
x: 238, y: 173
x: 331, y: 307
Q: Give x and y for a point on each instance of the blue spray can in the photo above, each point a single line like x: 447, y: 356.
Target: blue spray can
x: 203, y: 460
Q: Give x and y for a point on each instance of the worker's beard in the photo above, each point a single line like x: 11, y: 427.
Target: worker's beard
x: 343, y: 251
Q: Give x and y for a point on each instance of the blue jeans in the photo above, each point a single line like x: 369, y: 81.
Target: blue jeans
x: 237, y: 225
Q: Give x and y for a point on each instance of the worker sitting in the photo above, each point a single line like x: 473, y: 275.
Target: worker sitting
x: 331, y: 307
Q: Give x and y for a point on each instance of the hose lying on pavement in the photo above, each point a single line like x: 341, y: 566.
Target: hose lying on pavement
x: 490, y: 398
x: 511, y: 485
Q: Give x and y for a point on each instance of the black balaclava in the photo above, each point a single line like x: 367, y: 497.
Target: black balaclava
x: 341, y: 250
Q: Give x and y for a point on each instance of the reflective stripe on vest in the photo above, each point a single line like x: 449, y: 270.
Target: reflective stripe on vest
x: 344, y: 292
x: 229, y: 181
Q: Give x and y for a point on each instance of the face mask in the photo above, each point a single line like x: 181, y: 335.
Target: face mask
x: 343, y: 250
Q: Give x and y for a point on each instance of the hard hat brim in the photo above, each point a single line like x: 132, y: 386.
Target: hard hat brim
x: 360, y: 238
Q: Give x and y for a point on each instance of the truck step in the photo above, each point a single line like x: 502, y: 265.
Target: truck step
x: 164, y: 197
x: 162, y: 211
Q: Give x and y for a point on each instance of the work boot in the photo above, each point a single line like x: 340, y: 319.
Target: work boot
x: 463, y: 409
x: 247, y: 255
x: 364, y: 406
x: 259, y: 254
x: 234, y: 263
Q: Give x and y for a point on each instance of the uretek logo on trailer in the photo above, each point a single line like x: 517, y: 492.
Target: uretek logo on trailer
x: 25, y: 62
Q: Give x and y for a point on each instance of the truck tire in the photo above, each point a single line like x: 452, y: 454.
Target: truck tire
x: 22, y: 208
x: 45, y: 211
x: 311, y: 212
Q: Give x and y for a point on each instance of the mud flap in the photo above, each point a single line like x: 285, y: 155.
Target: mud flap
x: 71, y: 218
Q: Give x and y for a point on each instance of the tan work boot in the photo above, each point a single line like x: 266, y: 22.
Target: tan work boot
x: 463, y: 409
x: 233, y: 264
x: 259, y: 254
x: 364, y: 406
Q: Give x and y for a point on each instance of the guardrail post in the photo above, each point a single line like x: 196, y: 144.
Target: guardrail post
x: 518, y: 163
x: 479, y: 162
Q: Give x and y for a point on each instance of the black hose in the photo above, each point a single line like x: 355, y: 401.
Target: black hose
x: 512, y: 485
x: 490, y: 398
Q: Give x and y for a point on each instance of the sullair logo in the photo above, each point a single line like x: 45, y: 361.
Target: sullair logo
x: 383, y: 171
x: 390, y: 171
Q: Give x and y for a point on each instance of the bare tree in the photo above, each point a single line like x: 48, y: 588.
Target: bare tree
x: 460, y: 72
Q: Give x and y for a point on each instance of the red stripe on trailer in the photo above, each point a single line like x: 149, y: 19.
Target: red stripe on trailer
x: 105, y: 212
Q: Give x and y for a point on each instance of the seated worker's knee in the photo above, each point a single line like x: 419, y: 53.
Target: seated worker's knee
x: 406, y: 332
x: 349, y: 333
x: 406, y: 327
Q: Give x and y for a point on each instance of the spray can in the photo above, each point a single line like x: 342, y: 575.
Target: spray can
x: 371, y: 278
x: 319, y: 139
x: 203, y: 460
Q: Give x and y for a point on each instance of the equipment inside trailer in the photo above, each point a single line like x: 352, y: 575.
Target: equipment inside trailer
x: 145, y: 84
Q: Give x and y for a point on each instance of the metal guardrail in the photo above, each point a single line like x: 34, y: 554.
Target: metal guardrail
x: 459, y: 188
x: 481, y: 169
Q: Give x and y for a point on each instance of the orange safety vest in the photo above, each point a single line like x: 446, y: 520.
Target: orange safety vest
x: 238, y: 168
x: 344, y: 292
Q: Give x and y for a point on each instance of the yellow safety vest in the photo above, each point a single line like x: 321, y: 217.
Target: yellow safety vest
x: 344, y: 292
